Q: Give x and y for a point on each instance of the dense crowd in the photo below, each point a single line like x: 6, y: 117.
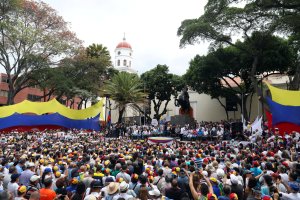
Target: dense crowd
x: 89, y: 166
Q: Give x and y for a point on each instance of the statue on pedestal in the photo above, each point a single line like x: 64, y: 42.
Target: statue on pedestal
x: 184, y: 102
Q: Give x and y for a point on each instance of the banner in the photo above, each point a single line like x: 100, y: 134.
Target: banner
x: 160, y: 140
x: 284, y: 97
x: 283, y: 113
x: 51, y: 119
x: 256, y: 125
x: 52, y: 106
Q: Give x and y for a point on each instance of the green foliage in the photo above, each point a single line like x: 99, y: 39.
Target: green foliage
x: 225, y: 20
x: 80, y: 76
x: 126, y: 90
x: 161, y: 85
x: 226, y: 72
x: 32, y: 35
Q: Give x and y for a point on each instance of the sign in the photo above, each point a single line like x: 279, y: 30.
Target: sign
x: 154, y: 122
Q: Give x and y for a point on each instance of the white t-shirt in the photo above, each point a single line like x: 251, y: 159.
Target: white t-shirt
x: 290, y: 196
x: 13, y: 188
x: 123, y: 195
x: 93, y: 194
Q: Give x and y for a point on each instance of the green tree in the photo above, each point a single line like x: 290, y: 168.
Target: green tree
x: 226, y: 72
x: 126, y: 90
x: 224, y: 20
x: 161, y: 85
x: 97, y: 51
x: 80, y: 76
x: 32, y: 37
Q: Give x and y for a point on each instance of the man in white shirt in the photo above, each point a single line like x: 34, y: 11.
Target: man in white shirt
x: 123, y: 192
x: 13, y: 184
x: 123, y: 174
x: 294, y: 192
x: 94, y: 190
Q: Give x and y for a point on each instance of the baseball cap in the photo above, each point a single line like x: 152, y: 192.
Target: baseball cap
x: 14, y: 177
x: 154, y: 192
x: 34, y: 178
x: 30, y: 164
x: 294, y: 186
x: 95, y: 184
x: 47, y: 170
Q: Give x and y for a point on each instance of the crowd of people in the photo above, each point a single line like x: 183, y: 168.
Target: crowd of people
x: 75, y: 165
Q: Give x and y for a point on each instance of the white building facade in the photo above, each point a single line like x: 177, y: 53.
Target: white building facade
x: 204, y: 108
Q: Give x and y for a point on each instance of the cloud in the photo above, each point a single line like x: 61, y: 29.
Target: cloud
x: 150, y: 28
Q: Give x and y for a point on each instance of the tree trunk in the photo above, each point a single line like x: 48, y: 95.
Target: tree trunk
x: 85, y: 103
x: 80, y: 104
x: 121, y: 112
x: 11, y: 95
x: 249, y: 114
x: 224, y: 108
x: 253, y: 74
x: 243, y: 106
x: 295, y: 82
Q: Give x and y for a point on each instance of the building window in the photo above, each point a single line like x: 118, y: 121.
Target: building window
x: 4, y: 79
x: 118, y: 63
x: 129, y: 63
x: 3, y: 93
x: 125, y: 62
x: 32, y: 97
x: 119, y: 52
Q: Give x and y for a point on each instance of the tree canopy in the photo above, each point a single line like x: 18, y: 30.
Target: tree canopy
x: 225, y: 20
x: 161, y: 85
x: 126, y: 90
x: 226, y: 71
x: 33, y: 36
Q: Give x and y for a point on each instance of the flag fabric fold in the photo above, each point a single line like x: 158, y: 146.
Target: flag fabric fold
x: 283, y: 113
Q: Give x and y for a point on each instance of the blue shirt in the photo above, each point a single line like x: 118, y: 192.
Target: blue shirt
x: 256, y: 171
x: 19, y: 169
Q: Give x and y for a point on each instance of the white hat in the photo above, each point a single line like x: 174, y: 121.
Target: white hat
x: 154, y: 192
x: 235, y: 165
x: 30, y: 164
x: 220, y: 173
x: 234, y: 179
x: 48, y: 176
x: 123, y: 186
x: 34, y: 178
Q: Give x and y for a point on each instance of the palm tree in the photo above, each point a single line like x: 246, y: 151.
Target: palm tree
x: 97, y: 50
x: 126, y: 90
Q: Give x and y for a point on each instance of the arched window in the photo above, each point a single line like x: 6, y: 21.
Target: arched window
x: 125, y: 62
x: 118, y: 63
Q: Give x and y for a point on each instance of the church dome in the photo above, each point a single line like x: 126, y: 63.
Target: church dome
x: 124, y: 44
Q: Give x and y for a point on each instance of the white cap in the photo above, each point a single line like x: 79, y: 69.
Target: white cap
x: 34, y: 178
x: 220, y: 173
x: 123, y: 186
x: 30, y: 164
x: 234, y: 179
x: 154, y: 192
x: 235, y: 165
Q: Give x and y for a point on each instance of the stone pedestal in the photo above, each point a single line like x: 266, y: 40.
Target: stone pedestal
x: 182, y: 120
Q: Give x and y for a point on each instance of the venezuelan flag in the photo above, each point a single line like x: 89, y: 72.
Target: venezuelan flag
x: 285, y: 109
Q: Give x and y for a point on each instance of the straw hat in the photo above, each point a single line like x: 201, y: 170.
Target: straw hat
x: 112, y: 188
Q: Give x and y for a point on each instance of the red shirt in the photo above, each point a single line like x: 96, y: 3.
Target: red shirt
x: 47, y: 194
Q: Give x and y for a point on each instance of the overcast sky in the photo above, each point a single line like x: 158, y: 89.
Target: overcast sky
x: 150, y: 27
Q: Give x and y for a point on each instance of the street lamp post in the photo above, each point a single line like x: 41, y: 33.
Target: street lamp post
x: 243, y: 106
